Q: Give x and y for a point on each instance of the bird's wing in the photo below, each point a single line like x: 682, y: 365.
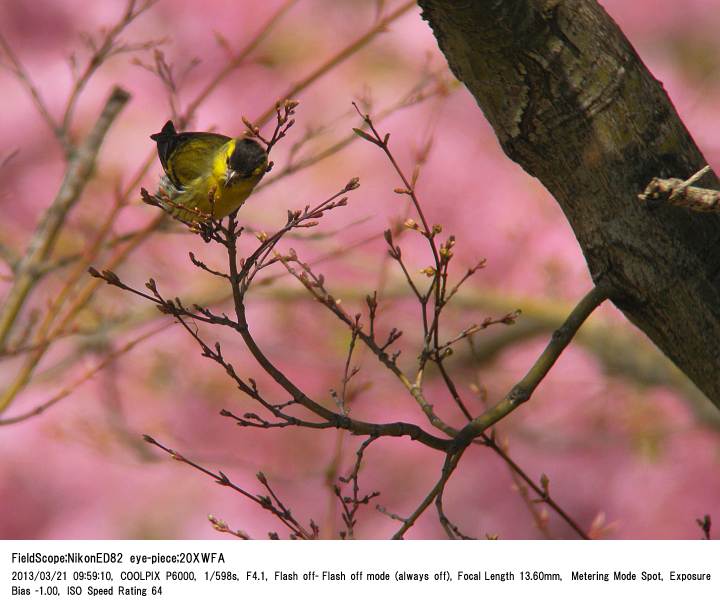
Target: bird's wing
x: 187, y: 156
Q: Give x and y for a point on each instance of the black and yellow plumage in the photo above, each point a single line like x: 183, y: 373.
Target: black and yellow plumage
x: 207, y: 174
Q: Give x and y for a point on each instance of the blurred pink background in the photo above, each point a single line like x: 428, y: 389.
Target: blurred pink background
x: 628, y: 459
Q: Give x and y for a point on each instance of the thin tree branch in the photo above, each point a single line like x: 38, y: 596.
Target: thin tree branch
x: 451, y: 462
x: 523, y: 390
x: 76, y: 178
x: 681, y: 193
x: 271, y: 504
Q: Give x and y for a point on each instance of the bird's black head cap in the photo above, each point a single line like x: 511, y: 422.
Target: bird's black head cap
x: 247, y: 157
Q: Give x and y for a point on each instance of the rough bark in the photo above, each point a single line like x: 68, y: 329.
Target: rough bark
x: 573, y: 104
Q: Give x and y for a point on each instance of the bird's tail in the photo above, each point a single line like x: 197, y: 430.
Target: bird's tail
x: 167, y: 132
x: 166, y: 142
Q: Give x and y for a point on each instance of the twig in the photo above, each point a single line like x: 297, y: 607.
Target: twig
x: 451, y: 529
x: 391, y: 515
x: 542, y: 493
x: 451, y: 462
x: 348, y: 373
x: 351, y: 504
x: 506, y: 320
x: 284, y: 110
x: 222, y: 527
x: 681, y: 193
x: 271, y: 504
x: 705, y: 524
x: 523, y: 390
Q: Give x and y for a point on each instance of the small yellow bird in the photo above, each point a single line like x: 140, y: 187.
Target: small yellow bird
x: 206, y: 174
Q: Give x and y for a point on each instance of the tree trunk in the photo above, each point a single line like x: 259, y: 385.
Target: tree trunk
x: 572, y: 103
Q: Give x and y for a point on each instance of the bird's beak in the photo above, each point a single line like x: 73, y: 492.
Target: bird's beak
x: 231, y: 176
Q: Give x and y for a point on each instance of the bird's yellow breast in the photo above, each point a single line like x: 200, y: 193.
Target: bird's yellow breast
x: 209, y: 194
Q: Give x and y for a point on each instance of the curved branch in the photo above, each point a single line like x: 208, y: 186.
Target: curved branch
x: 523, y: 390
